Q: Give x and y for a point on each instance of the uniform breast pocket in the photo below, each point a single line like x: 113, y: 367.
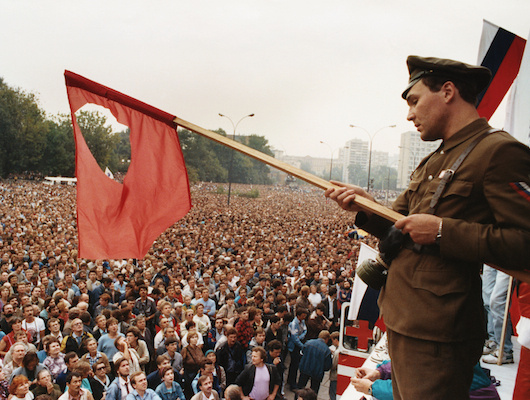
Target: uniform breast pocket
x: 440, y: 282
x: 456, y: 188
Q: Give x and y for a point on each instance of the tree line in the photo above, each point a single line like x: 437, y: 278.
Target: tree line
x: 32, y: 142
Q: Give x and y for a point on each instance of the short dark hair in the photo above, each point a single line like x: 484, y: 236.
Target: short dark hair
x: 306, y: 394
x: 274, y: 345
x: 73, y: 374
x: 467, y: 88
x: 69, y: 356
x: 261, y: 351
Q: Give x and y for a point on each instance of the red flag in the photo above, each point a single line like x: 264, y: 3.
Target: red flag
x: 117, y: 220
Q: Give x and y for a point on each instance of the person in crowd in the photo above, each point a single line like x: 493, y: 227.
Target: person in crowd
x: 71, y: 359
x: 334, y: 365
x: 306, y: 394
x: 155, y: 378
x: 207, y: 368
x: 76, y: 341
x: 46, y: 386
x: 207, y: 393
x: 30, y: 368
x: 169, y: 389
x: 317, y: 322
x: 99, y: 381
x: 259, y: 381
x: 233, y: 392
x: 231, y: 356
x: 175, y: 358
x: 192, y: 356
x: 101, y: 326
x: 136, y: 343
x: 297, y: 333
x: 141, y: 391
x: 75, y: 391
x: 54, y: 327
x: 93, y: 356
x: 19, y: 388
x: 9, y: 339
x: 257, y: 340
x: 55, y: 359
x: 106, y: 344
x: 316, y: 359
x: 228, y: 310
x: 244, y: 327
x: 215, y: 334
x: 124, y: 351
x: 121, y: 386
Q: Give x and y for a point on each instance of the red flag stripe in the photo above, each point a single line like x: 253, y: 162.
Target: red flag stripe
x: 503, y: 78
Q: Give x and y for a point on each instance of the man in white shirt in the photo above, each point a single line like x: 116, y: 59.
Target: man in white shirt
x: 121, y: 386
x: 33, y: 325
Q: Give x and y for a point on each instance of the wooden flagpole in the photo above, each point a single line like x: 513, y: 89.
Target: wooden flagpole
x: 366, y: 204
x: 362, y: 202
x: 505, y: 321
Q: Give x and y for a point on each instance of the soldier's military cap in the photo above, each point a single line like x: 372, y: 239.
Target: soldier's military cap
x: 420, y: 67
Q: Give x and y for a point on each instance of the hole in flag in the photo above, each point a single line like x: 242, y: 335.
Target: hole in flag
x: 107, y: 139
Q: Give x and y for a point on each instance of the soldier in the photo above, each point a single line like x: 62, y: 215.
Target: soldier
x: 431, y: 301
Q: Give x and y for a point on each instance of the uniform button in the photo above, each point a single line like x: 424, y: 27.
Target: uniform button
x: 430, y: 177
x: 442, y: 152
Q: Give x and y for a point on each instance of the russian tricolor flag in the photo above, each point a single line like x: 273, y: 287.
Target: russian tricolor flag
x: 500, y: 51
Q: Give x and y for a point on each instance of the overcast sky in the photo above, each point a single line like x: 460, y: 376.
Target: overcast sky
x: 307, y: 69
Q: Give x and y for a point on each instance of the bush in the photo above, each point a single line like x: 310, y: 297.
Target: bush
x: 252, y: 194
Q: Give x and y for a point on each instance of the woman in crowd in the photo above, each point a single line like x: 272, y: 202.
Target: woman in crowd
x: 106, y: 344
x: 94, y: 356
x: 30, y: 368
x: 19, y: 388
x: 192, y: 357
x: 134, y: 339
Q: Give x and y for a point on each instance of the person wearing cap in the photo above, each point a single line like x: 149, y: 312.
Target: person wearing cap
x: 431, y: 301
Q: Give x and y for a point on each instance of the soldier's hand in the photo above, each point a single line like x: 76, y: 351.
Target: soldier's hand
x: 345, y: 195
x: 422, y: 228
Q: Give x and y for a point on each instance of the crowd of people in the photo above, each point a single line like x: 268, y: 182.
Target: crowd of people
x: 215, y: 308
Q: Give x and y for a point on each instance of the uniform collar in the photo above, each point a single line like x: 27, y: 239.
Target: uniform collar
x: 476, y: 127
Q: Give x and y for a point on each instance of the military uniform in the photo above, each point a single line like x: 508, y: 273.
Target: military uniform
x: 432, y: 297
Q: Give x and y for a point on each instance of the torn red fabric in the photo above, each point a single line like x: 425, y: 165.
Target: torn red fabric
x: 117, y: 220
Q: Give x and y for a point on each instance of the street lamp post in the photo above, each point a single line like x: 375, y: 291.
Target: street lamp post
x: 232, y: 153
x: 371, y: 138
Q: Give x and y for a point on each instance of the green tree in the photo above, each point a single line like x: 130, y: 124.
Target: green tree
x: 99, y: 138
x: 384, y: 177
x: 22, y: 131
x: 201, y: 161
x: 357, y: 175
x: 59, y: 152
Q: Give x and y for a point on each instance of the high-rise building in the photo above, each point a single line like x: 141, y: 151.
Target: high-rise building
x: 356, y: 152
x: 411, y: 151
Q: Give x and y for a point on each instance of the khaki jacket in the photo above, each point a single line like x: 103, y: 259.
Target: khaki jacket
x: 485, y: 220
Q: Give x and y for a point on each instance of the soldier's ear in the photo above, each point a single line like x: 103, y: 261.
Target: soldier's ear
x: 449, y: 91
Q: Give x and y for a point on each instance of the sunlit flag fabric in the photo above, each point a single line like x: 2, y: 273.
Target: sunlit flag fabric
x: 517, y: 121
x: 123, y: 220
x: 500, y: 51
x: 363, y: 303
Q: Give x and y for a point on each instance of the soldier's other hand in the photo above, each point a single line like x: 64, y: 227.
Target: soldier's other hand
x: 345, y: 195
x: 422, y: 228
